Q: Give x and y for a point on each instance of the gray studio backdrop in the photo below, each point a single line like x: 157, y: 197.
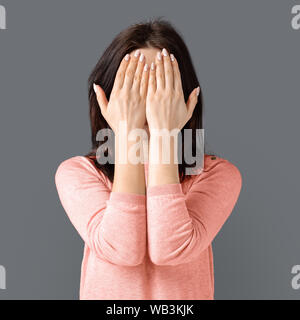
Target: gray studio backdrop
x: 246, y: 54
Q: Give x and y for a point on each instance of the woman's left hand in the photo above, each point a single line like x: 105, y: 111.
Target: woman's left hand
x: 165, y: 105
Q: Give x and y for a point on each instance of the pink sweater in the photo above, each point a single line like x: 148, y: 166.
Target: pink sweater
x: 149, y: 247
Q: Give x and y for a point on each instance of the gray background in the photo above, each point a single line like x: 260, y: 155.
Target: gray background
x: 247, y: 60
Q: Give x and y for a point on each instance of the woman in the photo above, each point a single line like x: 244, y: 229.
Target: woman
x: 147, y: 227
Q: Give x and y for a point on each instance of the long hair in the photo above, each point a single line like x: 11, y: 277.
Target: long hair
x: 154, y: 33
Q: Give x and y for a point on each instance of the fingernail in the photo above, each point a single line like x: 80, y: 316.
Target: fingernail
x: 95, y: 88
x: 136, y: 54
x: 146, y: 67
x: 198, y: 91
x: 127, y: 57
x: 165, y: 52
x: 158, y: 55
x: 152, y: 66
x: 141, y: 57
x: 172, y: 57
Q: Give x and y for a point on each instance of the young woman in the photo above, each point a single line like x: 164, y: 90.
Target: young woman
x: 147, y: 227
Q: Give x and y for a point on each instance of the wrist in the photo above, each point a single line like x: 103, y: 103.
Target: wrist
x: 163, y: 148
x: 130, y: 152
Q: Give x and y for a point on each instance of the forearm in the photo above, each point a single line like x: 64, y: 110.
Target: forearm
x: 128, y: 177
x: 160, y: 173
x: 127, y: 208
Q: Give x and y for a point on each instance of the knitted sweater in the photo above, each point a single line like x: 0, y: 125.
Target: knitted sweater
x: 148, y: 247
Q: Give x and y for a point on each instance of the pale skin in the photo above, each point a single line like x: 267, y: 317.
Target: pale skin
x: 147, y: 94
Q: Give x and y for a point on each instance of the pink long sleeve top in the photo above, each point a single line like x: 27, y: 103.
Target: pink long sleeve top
x: 148, y: 247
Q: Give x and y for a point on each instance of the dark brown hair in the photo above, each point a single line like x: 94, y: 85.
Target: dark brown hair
x: 154, y: 33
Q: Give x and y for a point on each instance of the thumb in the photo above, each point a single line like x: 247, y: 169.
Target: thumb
x: 101, y: 98
x: 192, y: 101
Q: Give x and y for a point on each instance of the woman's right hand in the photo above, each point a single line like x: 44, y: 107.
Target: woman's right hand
x: 128, y: 97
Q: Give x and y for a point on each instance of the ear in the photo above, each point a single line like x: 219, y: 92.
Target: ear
x: 192, y: 101
x: 101, y: 98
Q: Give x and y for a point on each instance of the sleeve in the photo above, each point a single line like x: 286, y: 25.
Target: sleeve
x: 112, y: 224
x: 181, y: 226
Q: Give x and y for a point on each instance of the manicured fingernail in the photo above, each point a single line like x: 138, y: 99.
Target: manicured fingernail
x: 165, y: 52
x: 198, y: 91
x: 158, y: 55
x: 95, y: 88
x: 172, y: 57
x: 141, y: 57
x: 127, y: 57
x: 136, y: 54
x: 146, y: 67
x: 152, y: 66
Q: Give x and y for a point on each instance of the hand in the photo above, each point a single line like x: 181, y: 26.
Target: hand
x: 128, y: 97
x: 165, y: 105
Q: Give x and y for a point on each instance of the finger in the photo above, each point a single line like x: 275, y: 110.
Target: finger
x: 119, y: 79
x: 168, y: 68
x: 152, y: 79
x: 130, y: 71
x: 144, y: 81
x: 138, y: 73
x: 176, y: 72
x: 101, y: 98
x: 160, y: 77
x: 192, y: 101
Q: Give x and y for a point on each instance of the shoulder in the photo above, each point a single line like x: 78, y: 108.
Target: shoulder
x: 75, y: 163
x: 219, y: 180
x: 76, y: 169
x: 221, y: 170
x: 217, y: 163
